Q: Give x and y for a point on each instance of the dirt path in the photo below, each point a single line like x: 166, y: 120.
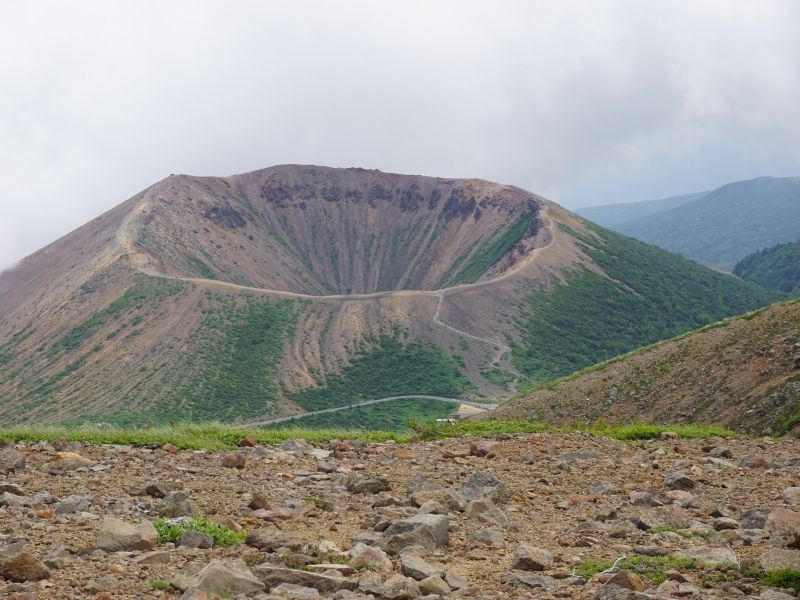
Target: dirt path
x: 368, y: 402
x: 125, y: 241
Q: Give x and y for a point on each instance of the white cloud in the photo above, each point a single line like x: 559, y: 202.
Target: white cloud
x: 580, y: 100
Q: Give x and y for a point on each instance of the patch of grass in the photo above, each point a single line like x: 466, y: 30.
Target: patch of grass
x: 208, y: 436
x: 388, y: 367
x: 650, y: 568
x: 320, y: 503
x: 623, y: 432
x: 685, y: 533
x: 498, y: 377
x: 217, y: 436
x: 222, y: 536
x: 389, y: 416
x: 159, y: 584
x: 782, y: 578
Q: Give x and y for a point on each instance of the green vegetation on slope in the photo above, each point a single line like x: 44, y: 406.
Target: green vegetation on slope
x: 388, y: 367
x: 145, y: 291
x: 648, y: 295
x: 777, y: 268
x: 488, y: 255
x: 394, y: 415
x: 231, y: 367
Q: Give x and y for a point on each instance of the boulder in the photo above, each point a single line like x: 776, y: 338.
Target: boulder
x: 428, y: 531
x: 11, y: 460
x: 485, y: 485
x: 272, y: 576
x: 63, y: 462
x: 222, y: 577
x: 398, y: 587
x: 783, y: 525
x: 531, y: 558
x: 116, y: 535
x: 22, y: 567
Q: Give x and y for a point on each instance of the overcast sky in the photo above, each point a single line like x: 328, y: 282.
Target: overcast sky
x: 587, y: 102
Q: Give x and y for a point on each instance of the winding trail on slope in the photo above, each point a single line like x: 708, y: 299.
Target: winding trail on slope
x: 366, y: 403
x: 124, y: 240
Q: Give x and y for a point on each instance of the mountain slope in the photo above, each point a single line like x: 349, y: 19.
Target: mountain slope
x: 296, y: 288
x: 728, y: 223
x: 614, y: 216
x: 742, y: 373
x: 777, y: 268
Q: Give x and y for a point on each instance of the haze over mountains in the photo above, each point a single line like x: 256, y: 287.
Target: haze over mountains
x: 297, y: 287
x: 717, y: 228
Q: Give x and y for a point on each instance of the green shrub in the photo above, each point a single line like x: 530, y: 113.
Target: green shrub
x: 170, y: 530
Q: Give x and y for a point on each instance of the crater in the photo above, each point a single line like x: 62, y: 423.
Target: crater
x: 322, y: 231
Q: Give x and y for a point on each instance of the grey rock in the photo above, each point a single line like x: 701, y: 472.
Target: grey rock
x: 485, y: 485
x: 753, y: 519
x: 398, y: 587
x: 428, y: 531
x: 272, y: 576
x: 158, y: 489
x: 221, y: 577
x: 368, y: 485
x: 434, y: 585
x: 531, y: 558
x: 540, y: 582
x: 116, y: 535
x: 290, y: 591
x: 176, y: 504
x: 11, y: 460
x: 195, y: 539
x: 679, y: 481
x: 72, y: 504
x: 418, y: 568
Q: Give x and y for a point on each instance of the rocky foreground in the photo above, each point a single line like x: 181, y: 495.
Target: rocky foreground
x: 520, y: 517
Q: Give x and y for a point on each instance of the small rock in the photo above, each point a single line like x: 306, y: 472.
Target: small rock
x: 368, y: 485
x: 62, y: 462
x: 24, y: 566
x: 418, y: 568
x: 72, y: 504
x: 234, y: 460
x: 176, y: 504
x: 370, y: 557
x: 290, y: 591
x: 428, y: 531
x: 195, y: 539
x: 399, y: 587
x: 158, y: 489
x: 157, y: 557
x: 434, y: 585
x: 11, y: 460
x: 679, y: 481
x: 258, y: 502
x: 784, y: 527
x: 531, y: 558
x: 486, y: 485
x: 628, y: 580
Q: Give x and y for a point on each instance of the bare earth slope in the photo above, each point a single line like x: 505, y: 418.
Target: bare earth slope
x: 297, y: 288
x: 742, y: 373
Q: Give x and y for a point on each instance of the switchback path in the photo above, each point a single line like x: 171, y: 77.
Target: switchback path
x: 367, y: 402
